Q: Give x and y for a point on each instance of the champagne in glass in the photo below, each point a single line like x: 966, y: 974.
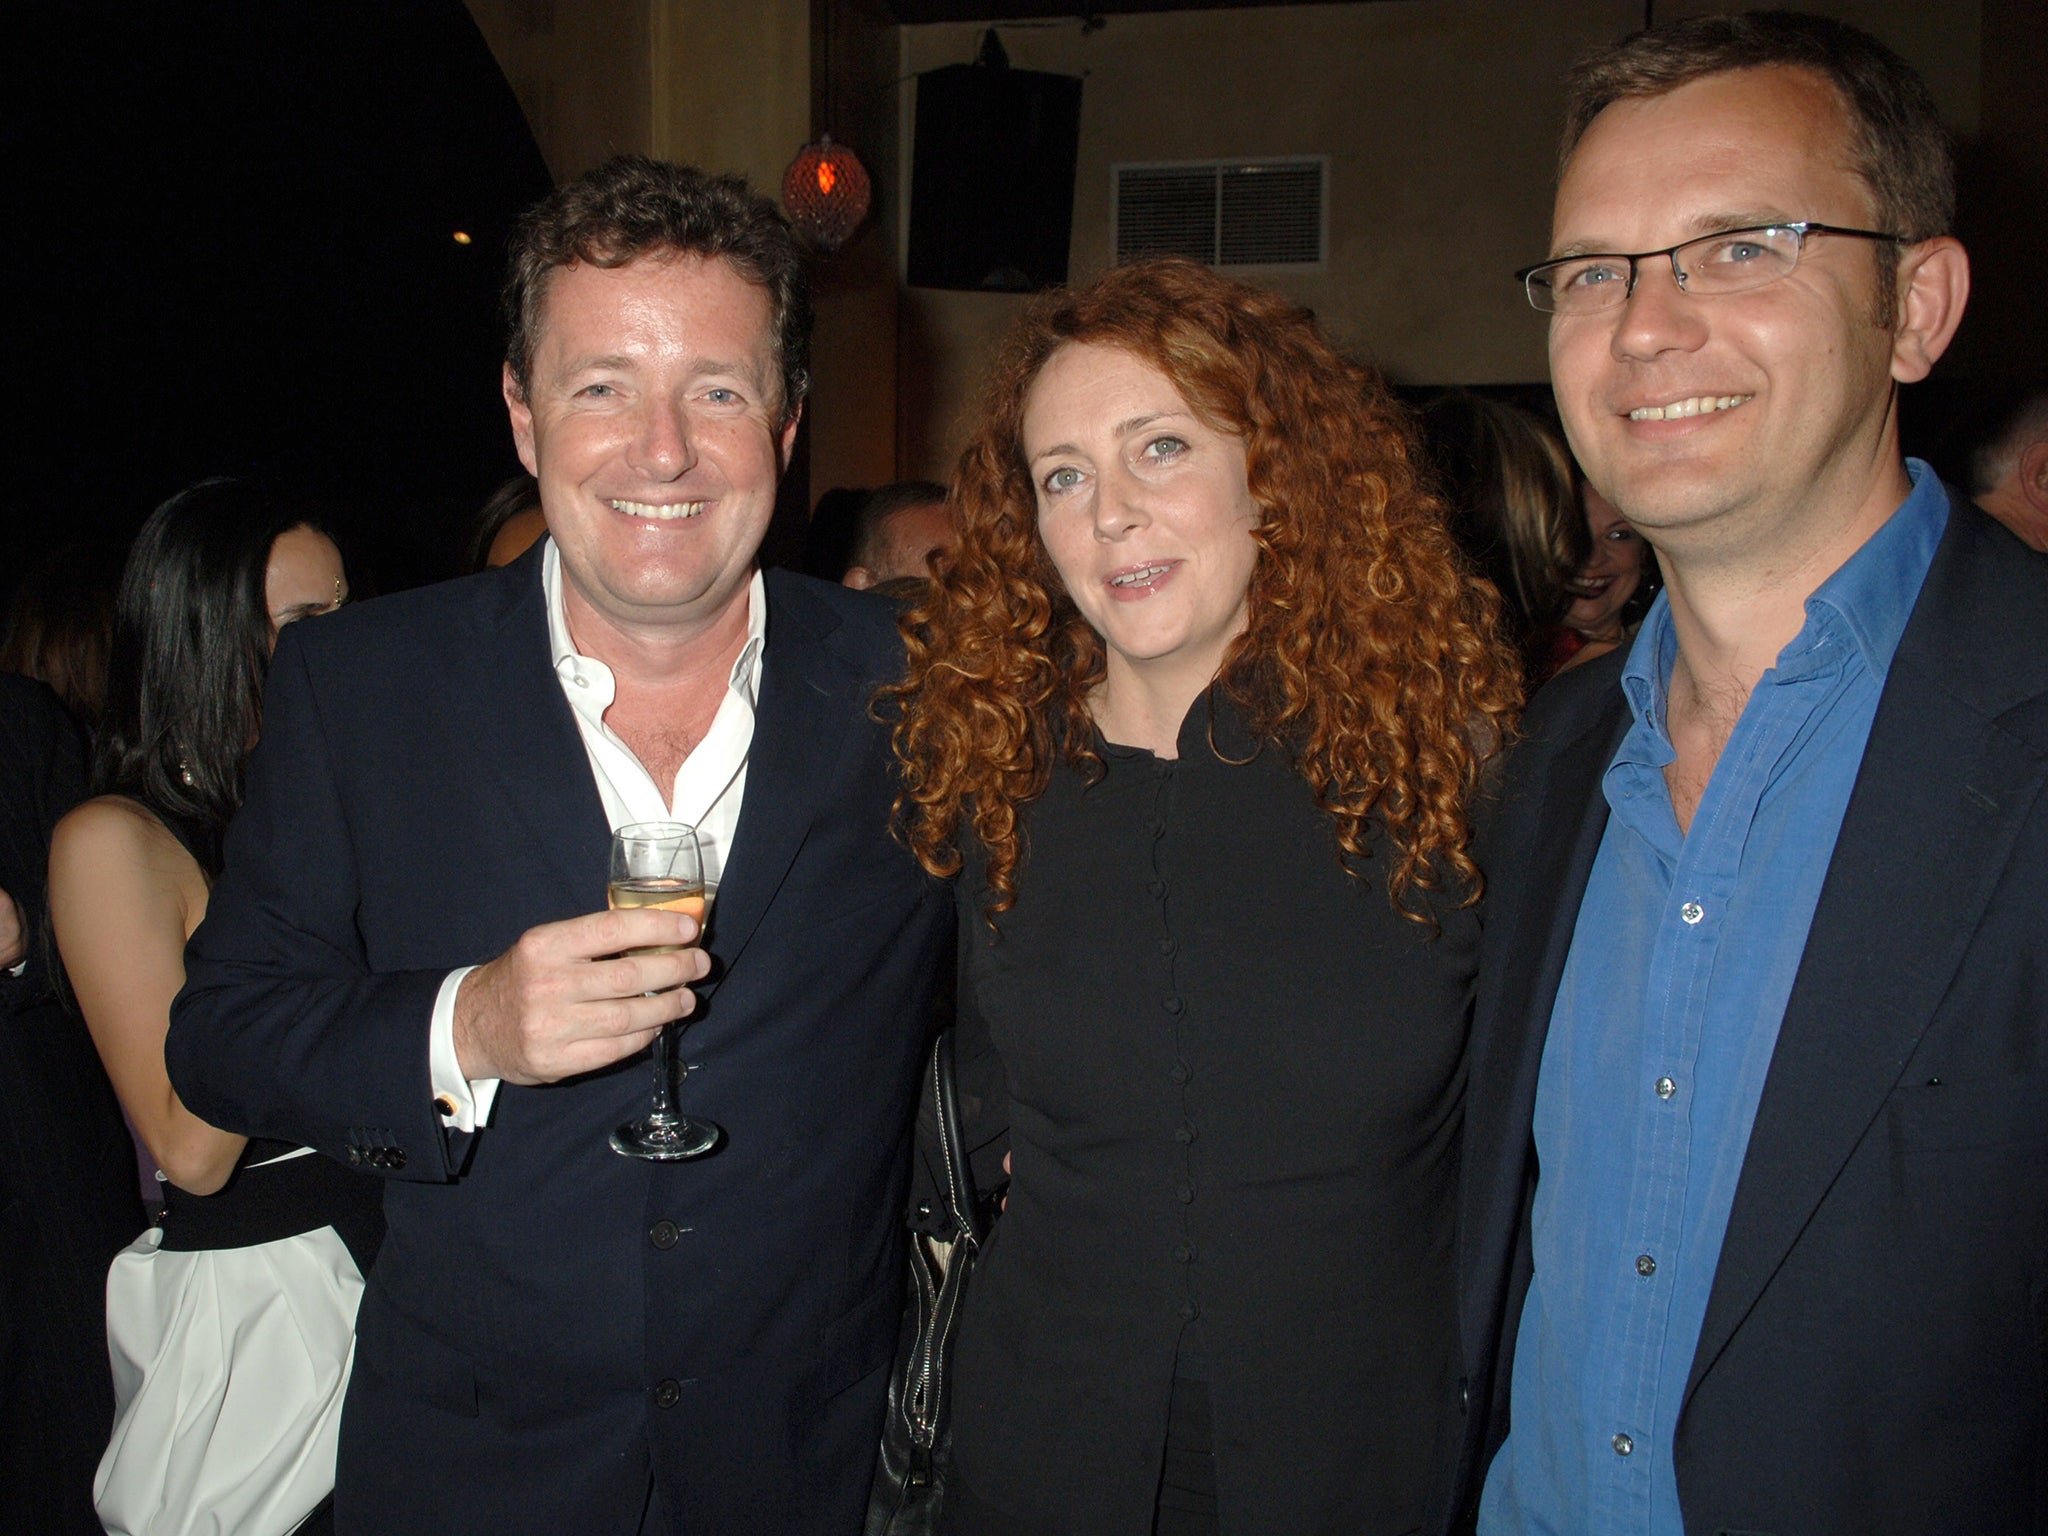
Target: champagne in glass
x: 665, y: 892
x: 658, y: 864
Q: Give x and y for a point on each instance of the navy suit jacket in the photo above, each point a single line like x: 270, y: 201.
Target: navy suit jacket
x: 547, y: 1319
x: 1875, y: 1351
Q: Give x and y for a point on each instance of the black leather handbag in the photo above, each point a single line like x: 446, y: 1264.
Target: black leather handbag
x: 910, y: 1474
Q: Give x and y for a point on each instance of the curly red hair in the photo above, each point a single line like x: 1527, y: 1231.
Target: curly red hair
x: 1369, y: 651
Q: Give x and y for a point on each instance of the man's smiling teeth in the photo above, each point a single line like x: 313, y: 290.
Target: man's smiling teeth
x: 1142, y: 573
x: 1698, y: 405
x: 649, y: 509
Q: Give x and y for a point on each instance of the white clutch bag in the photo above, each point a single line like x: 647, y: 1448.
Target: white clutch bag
x: 229, y: 1369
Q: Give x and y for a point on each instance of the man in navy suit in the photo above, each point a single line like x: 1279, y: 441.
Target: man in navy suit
x: 1754, y: 1232
x: 407, y: 964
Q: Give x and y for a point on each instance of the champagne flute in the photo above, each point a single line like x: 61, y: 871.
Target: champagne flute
x: 658, y: 864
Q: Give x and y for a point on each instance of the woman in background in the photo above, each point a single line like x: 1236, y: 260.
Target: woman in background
x: 1611, y: 591
x: 1507, y: 481
x: 1196, y: 712
x: 509, y: 523
x: 214, y: 574
x: 60, y: 623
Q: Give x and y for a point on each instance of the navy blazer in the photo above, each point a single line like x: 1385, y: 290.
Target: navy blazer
x: 548, y: 1319
x: 1875, y: 1351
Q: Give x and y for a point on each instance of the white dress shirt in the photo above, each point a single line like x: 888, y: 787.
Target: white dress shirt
x: 707, y: 792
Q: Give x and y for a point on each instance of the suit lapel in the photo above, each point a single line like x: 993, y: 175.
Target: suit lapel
x: 1569, y: 826
x: 1938, y: 800
x: 526, y: 743
x: 808, y: 700
x: 1544, y: 875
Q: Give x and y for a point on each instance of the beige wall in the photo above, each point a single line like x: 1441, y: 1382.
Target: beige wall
x: 1440, y: 118
x: 580, y: 69
x: 854, y: 401
x: 731, y: 84
x: 719, y: 85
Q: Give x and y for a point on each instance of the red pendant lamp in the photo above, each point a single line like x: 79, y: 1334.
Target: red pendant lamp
x: 826, y: 193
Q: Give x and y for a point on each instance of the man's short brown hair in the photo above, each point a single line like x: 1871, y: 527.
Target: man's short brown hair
x: 632, y: 206
x: 871, y: 518
x: 1896, y: 140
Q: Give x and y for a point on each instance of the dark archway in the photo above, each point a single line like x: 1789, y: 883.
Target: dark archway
x: 233, y: 250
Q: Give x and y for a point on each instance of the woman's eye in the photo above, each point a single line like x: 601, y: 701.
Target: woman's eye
x: 1164, y: 448
x: 1063, y: 479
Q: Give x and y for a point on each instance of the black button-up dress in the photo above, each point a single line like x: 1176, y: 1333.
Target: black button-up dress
x: 1231, y: 1077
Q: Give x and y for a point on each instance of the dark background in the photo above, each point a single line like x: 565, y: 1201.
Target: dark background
x: 231, y: 251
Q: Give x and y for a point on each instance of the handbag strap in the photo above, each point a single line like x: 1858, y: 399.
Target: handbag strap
x: 944, y: 1090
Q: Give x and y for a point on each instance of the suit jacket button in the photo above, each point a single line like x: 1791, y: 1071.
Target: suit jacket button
x: 667, y: 1393
x: 663, y: 1234
x: 394, y: 1157
x: 355, y: 1157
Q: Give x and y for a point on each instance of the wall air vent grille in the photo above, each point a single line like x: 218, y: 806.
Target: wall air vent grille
x: 1229, y: 213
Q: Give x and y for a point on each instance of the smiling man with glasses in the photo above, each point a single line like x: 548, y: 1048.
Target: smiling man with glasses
x: 1755, y: 1223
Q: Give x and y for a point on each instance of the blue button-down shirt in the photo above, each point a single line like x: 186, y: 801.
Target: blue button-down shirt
x: 1668, y: 1012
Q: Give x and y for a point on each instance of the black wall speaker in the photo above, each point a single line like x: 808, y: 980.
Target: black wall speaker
x: 992, y: 178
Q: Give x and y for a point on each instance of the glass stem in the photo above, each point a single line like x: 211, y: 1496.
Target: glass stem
x: 668, y: 1074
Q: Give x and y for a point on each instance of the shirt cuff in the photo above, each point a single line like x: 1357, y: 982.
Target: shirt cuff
x: 465, y: 1103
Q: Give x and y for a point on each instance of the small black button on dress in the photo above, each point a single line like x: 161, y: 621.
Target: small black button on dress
x: 1231, y: 1075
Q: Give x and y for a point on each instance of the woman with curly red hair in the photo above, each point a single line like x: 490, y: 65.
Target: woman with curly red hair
x: 1196, y: 712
